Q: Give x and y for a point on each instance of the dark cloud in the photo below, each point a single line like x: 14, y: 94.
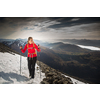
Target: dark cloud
x: 56, y: 27
x: 68, y: 22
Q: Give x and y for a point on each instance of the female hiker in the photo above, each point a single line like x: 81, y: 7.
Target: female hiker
x: 31, y: 56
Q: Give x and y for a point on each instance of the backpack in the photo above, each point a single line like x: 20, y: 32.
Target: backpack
x: 33, y: 47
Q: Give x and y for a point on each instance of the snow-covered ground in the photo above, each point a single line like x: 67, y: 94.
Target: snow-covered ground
x: 75, y: 81
x: 10, y: 70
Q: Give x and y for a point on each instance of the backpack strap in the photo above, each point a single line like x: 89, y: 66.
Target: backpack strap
x: 27, y: 45
x: 33, y: 45
x: 34, y: 48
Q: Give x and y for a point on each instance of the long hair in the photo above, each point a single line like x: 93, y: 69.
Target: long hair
x: 29, y: 39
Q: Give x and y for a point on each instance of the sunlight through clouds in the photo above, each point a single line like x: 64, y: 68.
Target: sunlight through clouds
x: 50, y: 27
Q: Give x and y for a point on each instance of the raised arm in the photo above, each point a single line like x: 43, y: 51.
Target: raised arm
x: 38, y: 49
x: 23, y: 50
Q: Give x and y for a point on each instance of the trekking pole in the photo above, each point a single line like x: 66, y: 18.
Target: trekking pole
x: 39, y: 65
x: 20, y: 64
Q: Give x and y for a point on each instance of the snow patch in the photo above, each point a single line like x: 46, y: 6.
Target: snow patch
x: 10, y: 70
x: 75, y: 81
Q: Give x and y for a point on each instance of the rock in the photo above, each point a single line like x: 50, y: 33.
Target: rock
x: 53, y: 76
x: 49, y: 74
x: 47, y: 71
x: 44, y: 82
x: 60, y: 82
x: 55, y: 81
x: 65, y: 82
x: 50, y: 80
x: 56, y: 77
x: 44, y: 79
x: 68, y: 79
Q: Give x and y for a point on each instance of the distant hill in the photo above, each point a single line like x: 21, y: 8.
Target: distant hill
x: 61, y: 47
x: 84, y: 66
x: 85, y: 42
x: 4, y: 48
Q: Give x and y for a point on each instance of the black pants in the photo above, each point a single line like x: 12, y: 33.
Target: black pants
x: 31, y: 66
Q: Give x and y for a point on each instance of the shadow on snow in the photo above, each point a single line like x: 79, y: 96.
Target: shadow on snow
x: 7, y: 76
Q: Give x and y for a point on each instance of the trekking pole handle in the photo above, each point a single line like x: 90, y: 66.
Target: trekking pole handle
x: 38, y: 46
x: 21, y: 47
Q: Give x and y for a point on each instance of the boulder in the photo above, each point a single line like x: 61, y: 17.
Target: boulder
x: 44, y: 82
x: 60, y: 82
x: 65, y: 82
x: 55, y: 81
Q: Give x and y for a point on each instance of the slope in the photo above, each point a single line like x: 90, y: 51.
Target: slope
x: 10, y: 70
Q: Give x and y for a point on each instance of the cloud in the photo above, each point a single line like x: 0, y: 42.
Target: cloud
x: 68, y: 22
x: 75, y: 19
x: 50, y: 27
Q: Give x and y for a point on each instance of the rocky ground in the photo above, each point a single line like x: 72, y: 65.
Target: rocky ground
x: 53, y: 76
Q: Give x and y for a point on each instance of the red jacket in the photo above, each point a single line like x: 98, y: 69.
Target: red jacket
x: 31, y: 50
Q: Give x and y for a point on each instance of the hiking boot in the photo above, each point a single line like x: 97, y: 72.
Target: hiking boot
x: 29, y: 76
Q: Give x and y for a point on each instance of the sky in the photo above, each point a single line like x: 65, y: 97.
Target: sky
x: 45, y: 28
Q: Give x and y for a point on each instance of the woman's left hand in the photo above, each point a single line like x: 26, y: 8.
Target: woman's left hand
x: 38, y: 46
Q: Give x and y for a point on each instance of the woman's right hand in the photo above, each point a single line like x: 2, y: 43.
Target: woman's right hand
x: 20, y: 47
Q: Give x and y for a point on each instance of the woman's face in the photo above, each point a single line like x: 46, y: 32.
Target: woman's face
x: 30, y: 41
